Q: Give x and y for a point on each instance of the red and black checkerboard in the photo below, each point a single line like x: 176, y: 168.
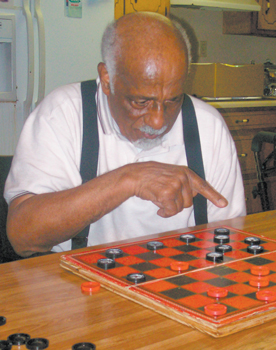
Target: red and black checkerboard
x: 183, y: 296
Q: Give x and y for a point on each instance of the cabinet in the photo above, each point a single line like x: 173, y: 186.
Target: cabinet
x: 261, y: 23
x: 244, y: 123
x: 122, y: 7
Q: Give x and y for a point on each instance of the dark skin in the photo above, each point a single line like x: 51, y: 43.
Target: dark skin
x: 148, y: 90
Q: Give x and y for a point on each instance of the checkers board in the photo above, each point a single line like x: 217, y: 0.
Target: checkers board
x: 183, y: 295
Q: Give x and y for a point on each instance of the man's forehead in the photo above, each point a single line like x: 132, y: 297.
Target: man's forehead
x: 145, y: 28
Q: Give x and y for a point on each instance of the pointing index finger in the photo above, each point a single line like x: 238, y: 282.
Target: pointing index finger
x: 205, y: 189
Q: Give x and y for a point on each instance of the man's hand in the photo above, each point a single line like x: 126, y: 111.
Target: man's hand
x: 171, y: 187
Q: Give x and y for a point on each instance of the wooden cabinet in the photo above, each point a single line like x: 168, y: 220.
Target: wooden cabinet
x: 261, y: 23
x: 244, y: 124
x: 122, y: 7
x: 267, y: 15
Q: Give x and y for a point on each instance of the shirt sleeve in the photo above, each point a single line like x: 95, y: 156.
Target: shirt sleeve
x: 47, y: 157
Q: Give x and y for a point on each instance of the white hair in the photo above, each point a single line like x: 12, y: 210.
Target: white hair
x: 185, y: 38
x: 110, y: 47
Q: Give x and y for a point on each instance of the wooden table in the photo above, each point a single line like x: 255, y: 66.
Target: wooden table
x: 41, y: 299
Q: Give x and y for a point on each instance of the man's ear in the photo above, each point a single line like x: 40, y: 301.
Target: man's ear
x: 104, y: 77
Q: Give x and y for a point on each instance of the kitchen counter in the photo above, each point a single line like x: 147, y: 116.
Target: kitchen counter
x: 268, y: 102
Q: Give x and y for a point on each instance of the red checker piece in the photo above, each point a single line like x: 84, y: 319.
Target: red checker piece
x: 215, y: 309
x: 90, y: 287
x: 217, y: 292
x: 179, y: 266
x: 259, y: 282
x: 266, y: 295
x: 260, y: 270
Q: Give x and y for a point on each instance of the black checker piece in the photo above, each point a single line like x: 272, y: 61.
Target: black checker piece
x: 220, y: 282
x: 223, y: 248
x: 177, y: 293
x: 84, y: 346
x: 259, y: 261
x: 252, y: 240
x: 106, y: 263
x: 182, y: 280
x: 246, y: 250
x: 136, y: 277
x: 19, y: 338
x: 3, y: 320
x: 187, y: 238
x: 222, y: 239
x: 37, y: 344
x: 5, y: 345
x: 222, y: 231
x: 255, y: 249
x: 155, y: 245
x: 214, y: 257
x: 114, y: 253
x: 147, y: 277
x: 222, y: 270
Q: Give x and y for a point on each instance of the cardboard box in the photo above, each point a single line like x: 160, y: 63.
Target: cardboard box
x: 225, y: 80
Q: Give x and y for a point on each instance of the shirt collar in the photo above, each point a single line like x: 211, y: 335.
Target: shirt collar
x: 108, y: 124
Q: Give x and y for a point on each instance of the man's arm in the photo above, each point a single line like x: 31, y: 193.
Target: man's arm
x: 36, y: 223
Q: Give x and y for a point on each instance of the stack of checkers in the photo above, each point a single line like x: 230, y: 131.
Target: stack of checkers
x: 222, y: 237
x: 259, y: 279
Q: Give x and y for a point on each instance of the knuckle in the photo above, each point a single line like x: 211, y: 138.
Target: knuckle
x: 204, y: 185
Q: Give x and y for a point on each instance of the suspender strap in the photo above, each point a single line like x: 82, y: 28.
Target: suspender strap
x: 90, y: 150
x: 194, y: 156
x: 90, y: 146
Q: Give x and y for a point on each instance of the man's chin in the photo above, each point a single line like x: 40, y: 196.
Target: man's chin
x: 147, y: 144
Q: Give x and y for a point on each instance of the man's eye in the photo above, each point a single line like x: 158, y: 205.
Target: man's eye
x: 175, y: 99
x: 140, y: 103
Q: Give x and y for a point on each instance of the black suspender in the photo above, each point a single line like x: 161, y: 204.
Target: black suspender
x: 90, y: 150
x: 194, y: 156
x: 90, y: 146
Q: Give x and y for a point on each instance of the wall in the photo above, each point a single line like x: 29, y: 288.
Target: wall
x: 72, y: 54
x: 73, y: 44
x: 231, y: 49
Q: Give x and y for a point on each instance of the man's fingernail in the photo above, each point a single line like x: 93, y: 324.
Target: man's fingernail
x: 223, y: 203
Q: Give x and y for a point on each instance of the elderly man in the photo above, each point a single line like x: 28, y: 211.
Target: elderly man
x: 143, y: 183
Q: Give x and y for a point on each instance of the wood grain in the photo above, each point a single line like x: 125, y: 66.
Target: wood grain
x: 40, y: 298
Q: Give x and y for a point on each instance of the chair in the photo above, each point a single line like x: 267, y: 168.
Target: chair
x: 6, y: 251
x: 265, y: 166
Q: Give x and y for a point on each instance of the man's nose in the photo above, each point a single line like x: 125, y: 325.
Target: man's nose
x: 155, y: 116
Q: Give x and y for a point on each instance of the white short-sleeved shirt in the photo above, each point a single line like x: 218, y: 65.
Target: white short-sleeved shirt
x: 47, y: 159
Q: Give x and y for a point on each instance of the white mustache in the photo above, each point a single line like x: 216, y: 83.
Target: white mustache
x: 149, y: 130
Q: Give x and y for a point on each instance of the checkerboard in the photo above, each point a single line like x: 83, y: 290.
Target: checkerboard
x: 184, y: 295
